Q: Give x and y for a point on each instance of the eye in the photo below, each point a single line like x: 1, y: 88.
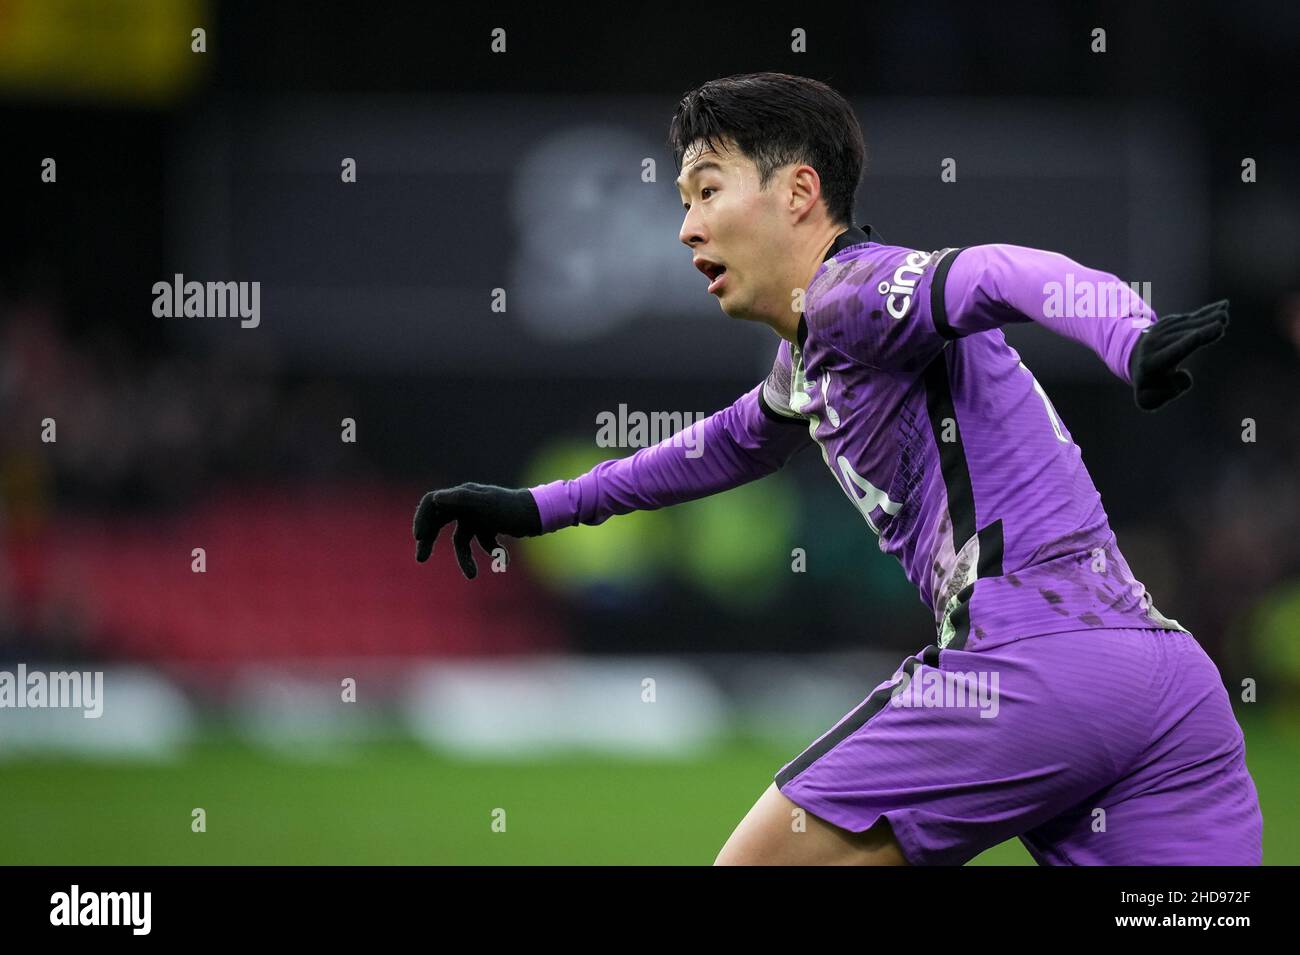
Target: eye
x: 687, y: 205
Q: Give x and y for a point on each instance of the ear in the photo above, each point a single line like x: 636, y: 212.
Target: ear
x: 805, y: 188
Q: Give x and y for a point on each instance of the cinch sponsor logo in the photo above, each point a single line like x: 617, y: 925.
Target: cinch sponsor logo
x: 102, y: 908
x: 59, y: 689
x: 181, y: 299
x: 929, y: 687
x: 899, y: 291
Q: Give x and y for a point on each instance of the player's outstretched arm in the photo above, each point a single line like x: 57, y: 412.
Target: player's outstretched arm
x: 989, y: 285
x: 736, y: 445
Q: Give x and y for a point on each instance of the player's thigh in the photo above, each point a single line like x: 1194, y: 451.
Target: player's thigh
x: 778, y: 832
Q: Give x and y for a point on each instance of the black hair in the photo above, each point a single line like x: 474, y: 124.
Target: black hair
x: 776, y: 119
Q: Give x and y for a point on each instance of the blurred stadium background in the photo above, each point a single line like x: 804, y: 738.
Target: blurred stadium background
x: 524, y: 691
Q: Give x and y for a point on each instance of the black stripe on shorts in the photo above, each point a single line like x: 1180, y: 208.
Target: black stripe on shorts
x: 854, y: 721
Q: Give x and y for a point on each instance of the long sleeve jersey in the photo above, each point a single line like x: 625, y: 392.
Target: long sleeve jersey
x: 940, y: 436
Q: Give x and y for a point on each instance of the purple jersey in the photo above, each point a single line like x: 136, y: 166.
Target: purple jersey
x: 940, y: 436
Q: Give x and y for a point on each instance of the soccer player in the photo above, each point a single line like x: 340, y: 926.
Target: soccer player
x: 1111, y: 739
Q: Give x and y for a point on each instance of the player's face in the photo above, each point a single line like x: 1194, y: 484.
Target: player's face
x: 734, y: 230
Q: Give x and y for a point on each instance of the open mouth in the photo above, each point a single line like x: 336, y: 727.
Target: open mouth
x: 714, y: 270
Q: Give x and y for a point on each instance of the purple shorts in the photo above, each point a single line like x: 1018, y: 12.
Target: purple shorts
x: 1095, y: 747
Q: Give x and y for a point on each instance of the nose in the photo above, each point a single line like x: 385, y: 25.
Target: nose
x: 691, y: 233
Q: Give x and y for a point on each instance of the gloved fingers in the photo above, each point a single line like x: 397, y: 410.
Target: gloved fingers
x: 460, y: 542
x: 1167, y: 355
x: 429, y: 520
x: 455, y: 499
x: 1214, y: 308
x: 488, y: 541
x: 1214, y: 312
x: 1173, y: 327
x: 472, y: 501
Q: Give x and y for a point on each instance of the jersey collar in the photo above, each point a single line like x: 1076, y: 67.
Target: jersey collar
x: 853, y: 236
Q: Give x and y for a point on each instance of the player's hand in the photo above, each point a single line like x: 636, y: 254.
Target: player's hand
x: 481, y: 512
x: 1157, y: 379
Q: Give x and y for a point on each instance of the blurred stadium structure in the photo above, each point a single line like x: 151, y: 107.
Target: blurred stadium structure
x: 472, y: 175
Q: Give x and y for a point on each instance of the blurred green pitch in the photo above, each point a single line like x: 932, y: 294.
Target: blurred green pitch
x: 395, y: 803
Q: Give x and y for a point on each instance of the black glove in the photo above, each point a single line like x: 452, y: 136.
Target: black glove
x: 1153, y: 366
x: 481, y: 511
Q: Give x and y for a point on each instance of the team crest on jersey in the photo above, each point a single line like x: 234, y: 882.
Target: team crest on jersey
x: 899, y: 291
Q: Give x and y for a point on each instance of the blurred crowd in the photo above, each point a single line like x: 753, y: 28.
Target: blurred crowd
x: 147, y: 428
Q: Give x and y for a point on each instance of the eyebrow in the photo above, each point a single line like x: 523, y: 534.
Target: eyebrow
x: 698, y: 168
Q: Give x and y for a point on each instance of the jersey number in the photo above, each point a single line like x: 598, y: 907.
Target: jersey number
x: 1051, y: 412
